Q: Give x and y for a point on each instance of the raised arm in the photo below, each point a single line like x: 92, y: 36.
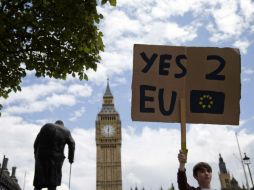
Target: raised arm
x: 182, y: 157
x: 181, y: 175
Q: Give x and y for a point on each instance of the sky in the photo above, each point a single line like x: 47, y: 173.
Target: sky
x: 149, y: 149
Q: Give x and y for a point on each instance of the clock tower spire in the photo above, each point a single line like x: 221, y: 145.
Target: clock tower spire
x: 108, y: 145
x: 108, y: 97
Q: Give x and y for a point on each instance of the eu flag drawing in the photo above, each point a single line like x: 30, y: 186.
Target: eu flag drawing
x: 207, y: 102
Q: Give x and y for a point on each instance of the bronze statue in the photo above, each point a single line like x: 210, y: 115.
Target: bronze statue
x: 49, y: 155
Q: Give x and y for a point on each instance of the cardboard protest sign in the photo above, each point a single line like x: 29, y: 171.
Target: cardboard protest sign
x: 207, y: 77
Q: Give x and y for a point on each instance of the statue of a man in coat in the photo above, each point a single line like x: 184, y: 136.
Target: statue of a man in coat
x: 49, y: 155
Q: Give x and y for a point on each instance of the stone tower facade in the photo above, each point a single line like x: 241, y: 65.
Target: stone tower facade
x: 108, y: 145
x: 227, y: 183
x: 223, y: 175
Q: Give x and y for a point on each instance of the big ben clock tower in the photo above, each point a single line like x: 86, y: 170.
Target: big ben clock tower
x: 108, y: 144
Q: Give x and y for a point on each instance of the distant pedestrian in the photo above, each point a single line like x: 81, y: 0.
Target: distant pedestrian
x: 49, y: 155
x: 202, y: 172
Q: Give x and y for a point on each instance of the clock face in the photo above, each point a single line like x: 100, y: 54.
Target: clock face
x: 108, y: 130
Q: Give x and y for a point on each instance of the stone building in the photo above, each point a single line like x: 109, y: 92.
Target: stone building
x: 227, y: 182
x: 8, y: 181
x: 161, y: 188
x: 108, y: 145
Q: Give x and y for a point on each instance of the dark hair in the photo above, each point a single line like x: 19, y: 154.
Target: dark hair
x: 199, y: 166
x: 59, y: 122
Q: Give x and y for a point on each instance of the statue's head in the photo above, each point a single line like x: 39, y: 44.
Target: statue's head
x: 59, y: 122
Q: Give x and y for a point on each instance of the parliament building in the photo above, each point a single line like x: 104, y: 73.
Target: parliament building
x: 227, y: 182
x: 8, y: 181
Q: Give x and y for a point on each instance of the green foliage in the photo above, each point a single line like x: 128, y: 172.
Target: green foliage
x: 52, y: 37
x: 112, y: 2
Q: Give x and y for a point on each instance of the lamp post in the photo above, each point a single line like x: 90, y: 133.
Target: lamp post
x: 240, y: 153
x: 246, y: 160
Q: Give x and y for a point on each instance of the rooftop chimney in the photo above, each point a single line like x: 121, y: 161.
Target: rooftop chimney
x: 5, y: 169
x: 13, y: 174
x: 5, y: 162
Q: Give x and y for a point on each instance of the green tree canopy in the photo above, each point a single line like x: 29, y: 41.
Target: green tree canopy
x: 52, y: 37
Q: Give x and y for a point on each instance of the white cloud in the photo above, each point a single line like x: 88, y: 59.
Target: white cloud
x: 164, y: 22
x: 80, y: 90
x: 77, y: 114
x: 247, y: 71
x: 123, y: 29
x: 133, y: 23
x: 47, y: 96
x: 114, y: 65
x: 245, y: 79
x: 175, y: 22
x: 116, y: 62
x: 138, y: 3
x: 48, y: 103
x: 166, y: 8
x: 161, y: 32
x: 100, y: 76
x: 149, y: 157
x: 246, y: 74
x: 57, y: 100
x: 17, y: 137
x: 120, y: 80
x: 242, y: 45
x: 232, y: 20
x: 35, y: 92
x: 247, y: 9
x: 227, y: 19
x: 118, y: 23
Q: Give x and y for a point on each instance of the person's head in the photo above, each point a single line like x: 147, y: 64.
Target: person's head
x: 59, y: 122
x: 202, y: 172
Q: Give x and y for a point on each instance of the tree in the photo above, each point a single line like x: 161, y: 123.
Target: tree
x: 52, y: 37
x: 172, y: 187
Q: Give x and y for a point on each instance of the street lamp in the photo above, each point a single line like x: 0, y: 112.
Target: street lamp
x: 246, y: 160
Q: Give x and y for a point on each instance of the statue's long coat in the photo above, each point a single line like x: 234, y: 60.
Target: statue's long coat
x: 49, y: 154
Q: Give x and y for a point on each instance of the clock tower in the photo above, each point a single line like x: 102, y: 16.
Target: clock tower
x: 108, y: 145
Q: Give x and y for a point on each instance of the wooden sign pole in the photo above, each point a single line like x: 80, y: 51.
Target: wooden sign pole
x: 183, y: 125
